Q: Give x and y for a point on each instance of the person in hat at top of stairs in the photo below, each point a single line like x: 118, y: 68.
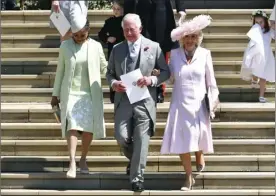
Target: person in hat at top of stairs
x: 77, y: 88
x: 188, y: 127
x: 158, y: 21
x: 258, y: 62
x: 112, y: 32
x: 69, y: 9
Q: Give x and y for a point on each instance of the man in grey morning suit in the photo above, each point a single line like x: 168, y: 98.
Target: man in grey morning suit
x: 135, y: 123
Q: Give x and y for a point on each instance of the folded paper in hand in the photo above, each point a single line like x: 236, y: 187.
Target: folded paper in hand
x: 134, y: 92
x: 60, y: 22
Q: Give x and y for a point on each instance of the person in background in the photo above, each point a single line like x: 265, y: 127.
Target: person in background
x: 77, y: 88
x: 112, y: 32
x: 188, y: 127
x: 70, y: 10
x: 9, y: 5
x: 258, y: 61
x: 158, y: 21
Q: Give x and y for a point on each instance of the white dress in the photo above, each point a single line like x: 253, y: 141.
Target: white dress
x: 256, y: 64
x: 188, y: 127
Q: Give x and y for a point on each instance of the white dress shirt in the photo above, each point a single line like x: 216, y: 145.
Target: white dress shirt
x: 136, y: 45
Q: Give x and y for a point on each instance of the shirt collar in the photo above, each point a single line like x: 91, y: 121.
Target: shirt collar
x: 137, y: 42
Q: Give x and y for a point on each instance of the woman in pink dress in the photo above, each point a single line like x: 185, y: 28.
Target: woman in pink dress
x: 188, y: 126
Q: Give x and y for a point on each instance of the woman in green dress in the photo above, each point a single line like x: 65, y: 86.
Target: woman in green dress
x: 78, y: 89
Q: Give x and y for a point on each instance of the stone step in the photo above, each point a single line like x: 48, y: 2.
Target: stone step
x: 53, y: 41
x: 218, y: 53
x: 35, y: 65
x: 213, y: 192
x: 226, y: 112
x: 218, y: 27
x: 228, y: 93
x: 46, y: 80
x: 153, y: 181
x: 32, y: 16
x: 221, y: 130
x: 228, y: 163
x: 111, y: 148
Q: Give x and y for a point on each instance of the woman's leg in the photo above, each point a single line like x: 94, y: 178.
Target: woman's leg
x: 86, y: 141
x: 200, y: 162
x: 187, y: 164
x: 72, y: 142
x: 262, y: 83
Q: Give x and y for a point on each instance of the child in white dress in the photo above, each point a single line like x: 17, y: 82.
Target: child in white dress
x: 258, y: 62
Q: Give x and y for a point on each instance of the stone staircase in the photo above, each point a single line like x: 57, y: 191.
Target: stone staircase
x: 34, y: 156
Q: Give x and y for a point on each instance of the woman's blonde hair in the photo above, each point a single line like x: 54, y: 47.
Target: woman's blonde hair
x: 199, y: 42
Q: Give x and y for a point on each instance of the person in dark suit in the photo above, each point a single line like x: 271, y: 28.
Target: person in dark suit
x: 158, y: 21
x: 112, y: 32
x: 9, y: 5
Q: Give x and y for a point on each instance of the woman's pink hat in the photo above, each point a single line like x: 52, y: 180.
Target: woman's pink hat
x: 189, y: 27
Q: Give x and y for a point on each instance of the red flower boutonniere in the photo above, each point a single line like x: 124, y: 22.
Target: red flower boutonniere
x: 146, y: 48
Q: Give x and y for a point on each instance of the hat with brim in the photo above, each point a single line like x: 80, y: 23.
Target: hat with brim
x: 78, y: 21
x: 190, y: 27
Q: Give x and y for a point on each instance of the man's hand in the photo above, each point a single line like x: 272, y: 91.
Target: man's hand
x: 156, y: 72
x: 145, y: 81
x: 55, y: 5
x: 119, y: 87
x: 111, y: 39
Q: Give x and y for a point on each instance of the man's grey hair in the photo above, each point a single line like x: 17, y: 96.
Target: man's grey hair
x: 132, y: 17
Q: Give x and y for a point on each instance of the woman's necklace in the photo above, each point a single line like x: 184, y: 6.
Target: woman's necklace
x: 189, y: 55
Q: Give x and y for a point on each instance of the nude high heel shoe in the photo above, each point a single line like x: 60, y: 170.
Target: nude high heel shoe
x: 200, y: 167
x: 189, y: 183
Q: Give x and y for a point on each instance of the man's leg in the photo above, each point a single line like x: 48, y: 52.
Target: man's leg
x: 123, y: 128
x: 141, y: 137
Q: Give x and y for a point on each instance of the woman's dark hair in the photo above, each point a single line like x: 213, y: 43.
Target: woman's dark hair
x: 263, y: 15
x: 119, y: 2
x: 87, y: 25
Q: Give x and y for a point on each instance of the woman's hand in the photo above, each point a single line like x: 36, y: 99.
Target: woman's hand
x: 272, y: 24
x: 215, y: 105
x: 54, y: 101
x: 55, y: 5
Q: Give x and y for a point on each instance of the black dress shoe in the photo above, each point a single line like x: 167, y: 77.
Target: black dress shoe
x: 128, y: 169
x: 138, y: 187
x: 160, y: 98
x: 160, y: 94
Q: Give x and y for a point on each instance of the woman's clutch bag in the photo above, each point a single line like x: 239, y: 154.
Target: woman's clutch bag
x: 56, y: 110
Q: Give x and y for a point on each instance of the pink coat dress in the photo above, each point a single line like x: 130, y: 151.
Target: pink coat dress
x: 188, y: 127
